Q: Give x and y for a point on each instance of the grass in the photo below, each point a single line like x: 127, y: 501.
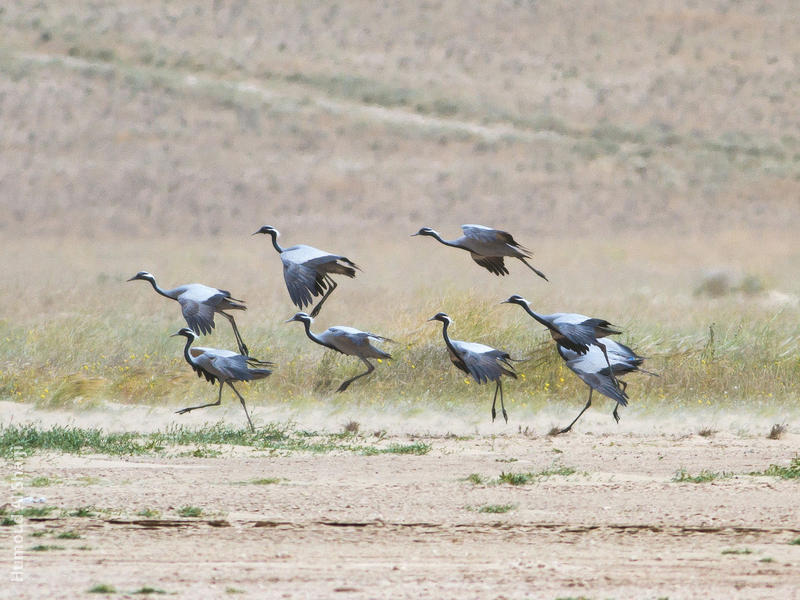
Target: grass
x: 35, y: 511
x: 190, y: 511
x: 102, y: 588
x: 149, y: 513
x: 46, y: 548
x: 704, y: 476
x: 68, y: 535
x: 83, y: 511
x: 144, y: 590
x: 512, y: 478
x: 795, y: 542
x: 790, y: 471
x: 737, y: 551
x: 777, y: 431
x: 273, y: 437
x: 264, y: 481
x: 496, y: 508
x: 7, y: 522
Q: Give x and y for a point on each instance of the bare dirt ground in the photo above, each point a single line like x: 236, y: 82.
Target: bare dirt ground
x: 351, y: 526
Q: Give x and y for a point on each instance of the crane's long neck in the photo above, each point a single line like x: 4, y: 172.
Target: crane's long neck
x: 526, y: 307
x: 186, y: 354
x: 446, y: 337
x: 164, y: 293
x: 275, y: 244
x: 315, y: 338
x: 452, y: 243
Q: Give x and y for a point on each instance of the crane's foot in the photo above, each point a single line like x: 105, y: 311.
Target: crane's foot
x: 565, y: 430
x: 494, y: 414
x: 182, y: 411
x: 342, y: 387
x: 615, y: 414
x: 505, y: 415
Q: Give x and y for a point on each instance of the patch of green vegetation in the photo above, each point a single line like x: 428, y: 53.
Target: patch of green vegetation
x: 42, y: 482
x: 533, y: 477
x: 84, y: 547
x: 190, y: 511
x: 766, y: 559
x: 202, y: 452
x: 40, y: 533
x: 68, y: 535
x: 83, y: 511
x: 791, y: 471
x: 475, y: 478
x: 149, y: 513
x: 102, y: 588
x: 46, y: 547
x: 264, y: 481
x: 737, y: 551
x: 418, y: 448
x: 496, y: 508
x: 35, y: 511
x: 704, y: 476
x: 8, y: 522
x: 795, y: 542
x: 149, y: 590
x: 233, y: 590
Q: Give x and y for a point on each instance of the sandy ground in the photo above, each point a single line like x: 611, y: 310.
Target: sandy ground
x: 351, y: 526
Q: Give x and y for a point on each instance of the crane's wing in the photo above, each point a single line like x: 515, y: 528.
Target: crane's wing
x: 487, y: 235
x: 484, y: 363
x: 199, y: 315
x: 494, y: 264
x: 302, y: 282
x: 236, y: 368
x: 603, y: 384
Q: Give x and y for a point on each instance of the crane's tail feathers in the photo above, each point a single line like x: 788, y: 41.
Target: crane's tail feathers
x: 254, y: 362
x: 535, y: 270
x: 646, y: 372
x: 380, y: 338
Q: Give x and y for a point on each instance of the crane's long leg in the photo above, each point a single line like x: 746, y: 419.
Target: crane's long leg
x: 244, y: 406
x: 370, y: 369
x: 588, y: 404
x: 602, y: 347
x: 239, y: 340
x: 535, y: 270
x: 494, y: 412
x: 191, y: 408
x: 331, y: 287
x: 615, y: 414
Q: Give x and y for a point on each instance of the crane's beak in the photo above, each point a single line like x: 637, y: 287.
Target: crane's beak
x: 175, y: 334
x: 132, y: 278
x: 413, y: 235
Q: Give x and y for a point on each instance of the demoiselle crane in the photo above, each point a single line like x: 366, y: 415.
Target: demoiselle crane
x: 199, y: 303
x: 483, y: 363
x: 307, y: 271
x: 488, y: 247
x: 593, y: 370
x: 571, y: 330
x: 346, y: 340
x: 223, y: 366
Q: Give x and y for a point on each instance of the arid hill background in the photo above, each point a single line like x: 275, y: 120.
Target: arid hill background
x: 358, y: 118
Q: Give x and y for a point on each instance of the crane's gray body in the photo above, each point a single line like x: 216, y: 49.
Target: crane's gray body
x: 307, y: 270
x: 488, y: 247
x: 346, y: 340
x: 592, y: 369
x: 199, y: 303
x: 224, y: 366
x: 483, y: 363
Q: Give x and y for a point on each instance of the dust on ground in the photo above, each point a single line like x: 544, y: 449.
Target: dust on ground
x: 614, y: 523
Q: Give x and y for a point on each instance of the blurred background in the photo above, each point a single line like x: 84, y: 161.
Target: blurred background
x: 648, y: 153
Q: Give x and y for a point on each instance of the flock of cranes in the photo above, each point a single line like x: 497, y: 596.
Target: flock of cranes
x: 308, y: 272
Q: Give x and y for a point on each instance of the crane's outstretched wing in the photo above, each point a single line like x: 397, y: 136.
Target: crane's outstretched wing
x: 494, y: 264
x: 199, y: 315
x: 303, y: 283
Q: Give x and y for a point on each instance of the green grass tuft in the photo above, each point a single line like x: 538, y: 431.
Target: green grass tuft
x: 46, y: 547
x: 35, y: 511
x: 737, y: 551
x: 83, y: 511
x: 496, y: 508
x: 102, y: 588
x: 704, y: 476
x: 68, y: 535
x: 190, y: 511
x: 149, y: 590
x: 791, y: 471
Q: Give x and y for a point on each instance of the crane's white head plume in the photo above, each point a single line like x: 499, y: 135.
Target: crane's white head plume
x: 515, y: 299
x: 185, y: 332
x: 425, y: 231
x: 302, y: 317
x: 143, y: 275
x: 268, y: 229
x: 443, y: 317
